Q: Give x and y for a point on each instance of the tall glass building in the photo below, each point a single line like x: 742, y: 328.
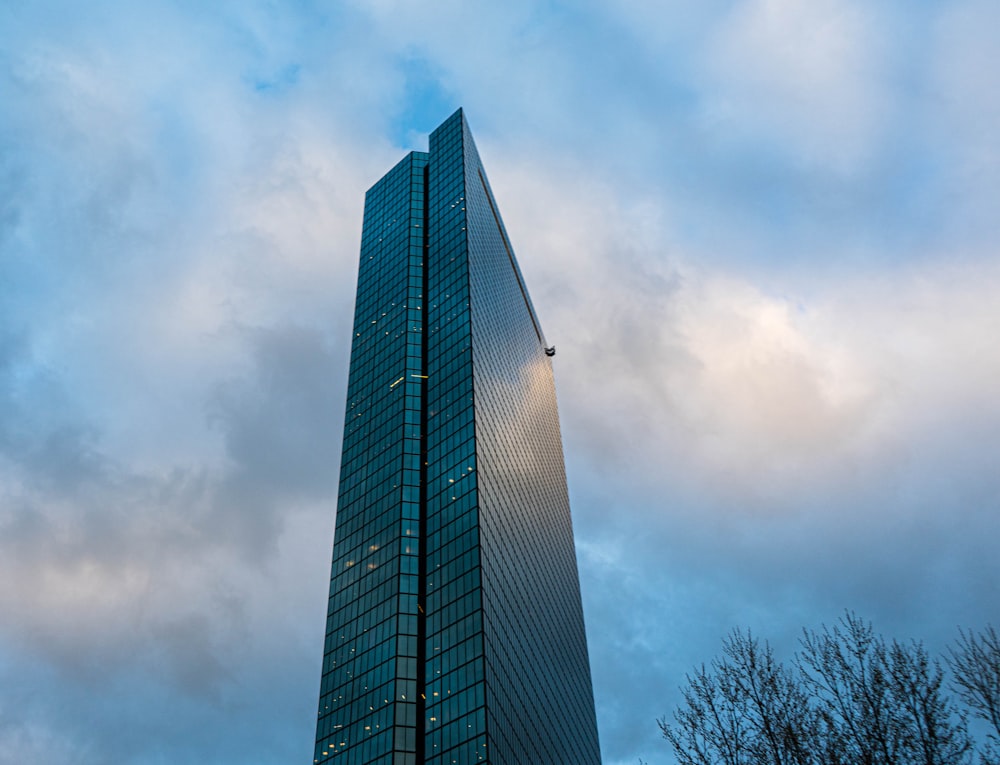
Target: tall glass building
x: 454, y: 632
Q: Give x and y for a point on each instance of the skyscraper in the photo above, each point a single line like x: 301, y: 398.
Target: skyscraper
x: 455, y: 631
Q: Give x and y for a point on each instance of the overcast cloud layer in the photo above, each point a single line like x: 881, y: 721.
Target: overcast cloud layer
x: 761, y: 233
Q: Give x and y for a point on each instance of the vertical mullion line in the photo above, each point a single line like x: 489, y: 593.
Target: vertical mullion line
x: 466, y: 220
x: 422, y: 522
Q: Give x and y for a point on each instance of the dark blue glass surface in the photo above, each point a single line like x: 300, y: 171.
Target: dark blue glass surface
x: 455, y: 632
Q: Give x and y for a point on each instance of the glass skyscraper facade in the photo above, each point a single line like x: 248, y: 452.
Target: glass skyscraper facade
x: 455, y: 630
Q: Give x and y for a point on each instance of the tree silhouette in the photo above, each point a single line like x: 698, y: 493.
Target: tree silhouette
x: 849, y: 697
x: 975, y: 668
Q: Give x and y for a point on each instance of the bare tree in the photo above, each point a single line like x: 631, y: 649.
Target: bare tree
x: 884, y: 702
x: 844, y: 668
x: 849, y: 698
x: 934, y: 729
x: 747, y: 709
x: 975, y: 668
x: 709, y: 727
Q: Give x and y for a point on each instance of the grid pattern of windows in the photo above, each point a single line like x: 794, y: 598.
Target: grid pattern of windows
x: 455, y: 714
x: 538, y: 685
x: 368, y: 693
x: 455, y: 631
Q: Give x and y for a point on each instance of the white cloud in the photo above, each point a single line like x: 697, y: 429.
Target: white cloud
x: 965, y: 115
x: 745, y: 380
x: 809, y: 76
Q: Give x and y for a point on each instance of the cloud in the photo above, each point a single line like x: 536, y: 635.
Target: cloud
x: 169, y: 387
x: 809, y: 78
x: 151, y: 595
x: 741, y: 386
x: 741, y: 448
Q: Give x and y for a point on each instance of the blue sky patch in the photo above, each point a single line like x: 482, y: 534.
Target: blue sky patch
x: 425, y: 104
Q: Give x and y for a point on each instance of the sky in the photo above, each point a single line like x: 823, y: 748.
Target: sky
x: 761, y: 233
